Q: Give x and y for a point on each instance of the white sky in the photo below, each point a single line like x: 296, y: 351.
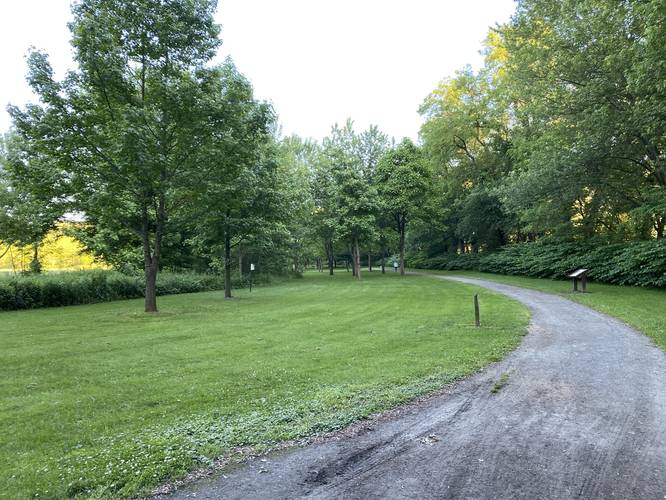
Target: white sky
x: 317, y: 61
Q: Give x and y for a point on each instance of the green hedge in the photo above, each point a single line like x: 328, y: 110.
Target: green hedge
x: 87, y: 287
x: 641, y: 263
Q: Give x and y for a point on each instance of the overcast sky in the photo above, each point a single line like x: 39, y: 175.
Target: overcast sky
x: 317, y: 61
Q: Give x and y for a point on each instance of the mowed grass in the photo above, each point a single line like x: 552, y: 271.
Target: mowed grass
x: 642, y: 308
x: 105, y: 401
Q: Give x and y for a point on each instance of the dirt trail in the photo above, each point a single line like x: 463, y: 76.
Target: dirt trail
x: 582, y: 414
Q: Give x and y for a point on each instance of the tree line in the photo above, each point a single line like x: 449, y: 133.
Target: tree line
x: 169, y: 161
x: 561, y: 134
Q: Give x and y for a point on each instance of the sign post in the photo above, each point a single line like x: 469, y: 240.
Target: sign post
x: 251, y: 272
x: 395, y: 266
x: 579, y: 274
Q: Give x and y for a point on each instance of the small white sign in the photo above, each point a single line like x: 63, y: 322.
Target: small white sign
x: 251, y: 267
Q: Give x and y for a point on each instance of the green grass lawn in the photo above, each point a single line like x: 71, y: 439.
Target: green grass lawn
x: 104, y: 400
x: 642, y: 308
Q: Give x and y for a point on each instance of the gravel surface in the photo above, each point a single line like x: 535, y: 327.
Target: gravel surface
x: 577, y: 411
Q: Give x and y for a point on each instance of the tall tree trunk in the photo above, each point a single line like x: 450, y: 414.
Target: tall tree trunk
x: 240, y: 262
x: 331, y: 258
x: 151, y: 256
x: 11, y: 257
x: 401, y: 227
x: 227, y: 264
x: 369, y: 263
x: 35, y: 266
x: 383, y: 260
x: 151, y: 287
x: 357, y: 259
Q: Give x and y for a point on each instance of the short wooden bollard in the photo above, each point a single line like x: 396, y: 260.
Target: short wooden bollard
x: 477, y: 319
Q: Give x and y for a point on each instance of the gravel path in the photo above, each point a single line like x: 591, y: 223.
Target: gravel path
x: 581, y: 414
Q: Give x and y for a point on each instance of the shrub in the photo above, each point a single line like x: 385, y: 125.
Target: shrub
x: 87, y: 287
x: 6, y: 296
x: 641, y: 263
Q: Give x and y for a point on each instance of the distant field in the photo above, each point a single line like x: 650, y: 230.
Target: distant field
x: 58, y: 252
x: 104, y: 400
x: 642, y: 308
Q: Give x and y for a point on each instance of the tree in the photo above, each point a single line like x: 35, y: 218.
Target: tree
x: 128, y: 125
x: 592, y: 112
x: 482, y: 220
x: 32, y: 195
x: 355, y: 198
x: 468, y: 139
x: 370, y: 145
x: 561, y: 134
x: 234, y: 193
x: 402, y: 180
x: 325, y: 212
x: 357, y: 206
x: 297, y: 160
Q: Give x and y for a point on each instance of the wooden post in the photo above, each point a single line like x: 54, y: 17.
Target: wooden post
x: 477, y: 320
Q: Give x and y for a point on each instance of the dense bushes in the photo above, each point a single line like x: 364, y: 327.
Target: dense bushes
x: 638, y: 263
x: 86, y: 287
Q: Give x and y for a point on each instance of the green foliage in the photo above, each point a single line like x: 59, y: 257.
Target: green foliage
x: 296, y: 165
x: 354, y: 197
x: 32, y: 194
x: 144, y: 122
x: 346, y: 209
x: 447, y: 262
x: 403, y: 182
x: 636, y: 263
x: 402, y: 179
x: 87, y: 287
x: 561, y: 134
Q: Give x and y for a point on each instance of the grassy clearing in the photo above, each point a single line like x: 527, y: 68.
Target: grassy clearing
x: 642, y: 308
x: 103, y: 400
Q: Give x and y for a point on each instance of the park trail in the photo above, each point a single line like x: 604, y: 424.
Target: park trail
x: 577, y: 411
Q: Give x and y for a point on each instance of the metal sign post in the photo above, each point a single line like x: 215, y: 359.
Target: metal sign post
x: 251, y: 272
